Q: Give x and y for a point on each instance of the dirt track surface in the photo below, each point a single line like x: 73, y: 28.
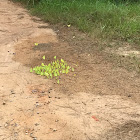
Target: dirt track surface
x: 99, y: 103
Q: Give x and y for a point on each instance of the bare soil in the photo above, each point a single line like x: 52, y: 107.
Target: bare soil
x: 96, y: 102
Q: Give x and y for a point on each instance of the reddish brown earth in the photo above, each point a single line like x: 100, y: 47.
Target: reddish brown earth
x: 96, y: 102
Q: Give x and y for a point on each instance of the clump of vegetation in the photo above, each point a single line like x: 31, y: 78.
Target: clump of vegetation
x: 53, y: 69
x: 105, y: 19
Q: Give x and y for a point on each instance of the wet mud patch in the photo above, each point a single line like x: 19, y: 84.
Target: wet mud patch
x: 29, y: 54
x: 127, y: 131
x: 43, y: 47
x: 92, y: 73
x: 81, y: 80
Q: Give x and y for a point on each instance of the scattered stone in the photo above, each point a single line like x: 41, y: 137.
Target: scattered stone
x: 49, y: 91
x: 49, y: 96
x: 4, y: 103
x: 56, y: 120
x: 15, y: 134
x: 12, y: 92
x: 26, y: 133
x: 6, y: 124
x: 54, y: 130
x: 37, y: 104
x: 57, y: 97
x: 15, y: 124
x: 34, y: 91
x: 31, y: 135
x: 36, y: 124
x: 129, y: 95
x: 48, y: 102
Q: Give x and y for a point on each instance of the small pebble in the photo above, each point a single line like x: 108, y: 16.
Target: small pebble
x: 48, y: 102
x: 4, y: 103
x: 26, y: 133
x: 37, y: 104
x: 6, y: 125
x: 16, y: 134
x: 15, y: 124
x: 49, y: 96
x: 12, y: 92
x: 54, y: 130
x: 57, y: 97
x: 34, y: 91
x: 36, y: 124
x: 31, y: 135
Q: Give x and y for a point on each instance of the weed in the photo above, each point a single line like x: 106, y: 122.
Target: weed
x: 106, y: 19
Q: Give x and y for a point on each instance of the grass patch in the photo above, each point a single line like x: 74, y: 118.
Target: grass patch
x: 107, y: 19
x: 131, y: 62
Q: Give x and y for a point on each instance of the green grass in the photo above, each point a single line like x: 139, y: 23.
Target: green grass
x: 101, y: 18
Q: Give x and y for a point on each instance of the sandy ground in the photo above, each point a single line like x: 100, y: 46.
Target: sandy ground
x: 99, y: 103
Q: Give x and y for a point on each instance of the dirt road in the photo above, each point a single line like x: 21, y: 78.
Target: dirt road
x: 99, y: 103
